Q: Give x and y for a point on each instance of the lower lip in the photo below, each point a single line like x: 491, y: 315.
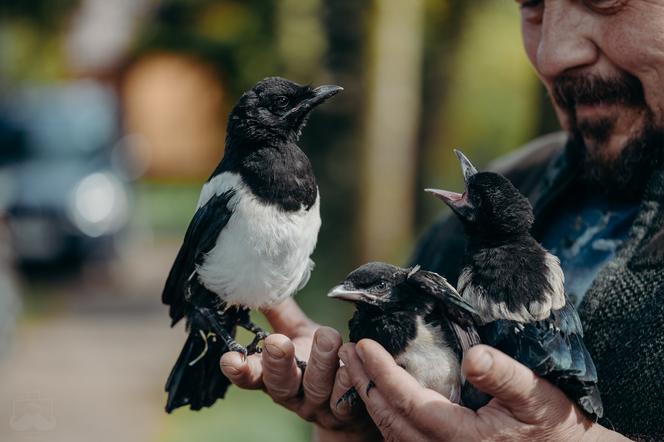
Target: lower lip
x: 590, y: 111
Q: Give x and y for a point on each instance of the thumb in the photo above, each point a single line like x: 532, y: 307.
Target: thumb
x: 512, y: 384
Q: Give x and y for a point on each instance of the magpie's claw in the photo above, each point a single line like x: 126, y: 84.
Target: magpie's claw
x: 258, y: 338
x: 350, y: 397
x: 370, y: 385
x: 234, y: 346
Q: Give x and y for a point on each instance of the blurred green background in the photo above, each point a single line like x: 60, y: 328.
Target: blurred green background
x: 85, y: 346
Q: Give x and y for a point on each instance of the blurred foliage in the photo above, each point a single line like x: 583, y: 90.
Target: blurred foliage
x: 49, y: 15
x: 491, y: 103
x: 242, y: 416
x: 236, y: 37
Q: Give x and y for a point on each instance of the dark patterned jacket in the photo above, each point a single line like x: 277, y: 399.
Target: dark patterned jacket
x: 623, y: 311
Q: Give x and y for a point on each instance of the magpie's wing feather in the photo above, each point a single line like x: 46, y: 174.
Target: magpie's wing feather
x: 462, y: 318
x: 201, y: 237
x: 436, y: 286
x: 467, y: 336
x: 554, y: 349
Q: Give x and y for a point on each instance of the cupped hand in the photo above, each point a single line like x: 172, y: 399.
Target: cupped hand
x: 312, y: 396
x: 524, y: 407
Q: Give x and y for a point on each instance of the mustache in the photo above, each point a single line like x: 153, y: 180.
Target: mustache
x: 569, y: 91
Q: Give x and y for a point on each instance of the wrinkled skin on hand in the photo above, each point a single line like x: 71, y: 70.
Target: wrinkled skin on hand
x: 313, y: 396
x: 524, y: 407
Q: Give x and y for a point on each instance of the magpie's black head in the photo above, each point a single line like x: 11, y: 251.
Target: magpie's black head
x: 384, y: 287
x: 490, y: 206
x: 275, y: 109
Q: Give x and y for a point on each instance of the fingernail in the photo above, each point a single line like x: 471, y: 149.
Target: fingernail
x: 274, y: 351
x: 324, y: 343
x: 483, y: 362
x: 360, y: 352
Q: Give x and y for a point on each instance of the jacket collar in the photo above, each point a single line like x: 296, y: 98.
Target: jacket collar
x: 648, y: 228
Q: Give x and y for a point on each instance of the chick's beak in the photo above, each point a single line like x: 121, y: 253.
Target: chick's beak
x: 322, y: 93
x: 457, y: 201
x: 466, y: 166
x: 298, y: 115
x: 352, y: 295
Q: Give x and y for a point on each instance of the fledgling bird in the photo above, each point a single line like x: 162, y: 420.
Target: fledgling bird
x: 420, y: 319
x: 249, y: 243
x: 516, y: 286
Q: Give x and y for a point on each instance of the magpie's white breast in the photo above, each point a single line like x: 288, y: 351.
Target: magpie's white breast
x: 430, y: 360
x: 262, y: 255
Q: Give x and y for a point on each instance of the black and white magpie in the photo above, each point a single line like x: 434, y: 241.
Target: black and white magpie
x: 420, y: 319
x: 249, y: 243
x: 516, y: 286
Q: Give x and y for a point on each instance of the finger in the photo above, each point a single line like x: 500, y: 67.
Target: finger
x: 342, y: 383
x: 391, y: 423
x: 245, y: 373
x: 280, y: 373
x: 372, y: 397
x: 321, y: 369
x: 288, y: 318
x: 508, y: 381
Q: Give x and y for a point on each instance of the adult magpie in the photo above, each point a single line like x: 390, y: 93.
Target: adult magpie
x: 421, y: 321
x: 249, y: 242
x: 516, y: 286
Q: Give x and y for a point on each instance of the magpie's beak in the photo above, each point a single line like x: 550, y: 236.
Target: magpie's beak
x: 456, y: 201
x: 320, y: 95
x: 466, y: 166
x: 353, y: 295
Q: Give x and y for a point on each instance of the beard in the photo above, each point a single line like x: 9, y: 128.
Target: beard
x: 623, y: 175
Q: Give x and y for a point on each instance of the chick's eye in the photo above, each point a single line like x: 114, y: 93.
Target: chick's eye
x: 381, y: 286
x: 280, y: 102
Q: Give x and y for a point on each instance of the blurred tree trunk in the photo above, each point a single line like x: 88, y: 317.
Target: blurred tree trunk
x: 392, y: 121
x: 443, y: 30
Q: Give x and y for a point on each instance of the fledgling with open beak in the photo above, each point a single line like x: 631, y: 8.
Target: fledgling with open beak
x: 250, y: 239
x: 516, y: 286
x: 420, y: 319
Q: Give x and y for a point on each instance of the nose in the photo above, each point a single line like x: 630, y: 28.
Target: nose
x: 566, y: 40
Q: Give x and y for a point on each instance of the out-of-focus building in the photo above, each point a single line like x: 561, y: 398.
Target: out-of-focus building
x: 175, y: 103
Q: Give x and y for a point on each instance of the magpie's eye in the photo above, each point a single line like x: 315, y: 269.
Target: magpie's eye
x: 280, y: 102
x: 381, y: 286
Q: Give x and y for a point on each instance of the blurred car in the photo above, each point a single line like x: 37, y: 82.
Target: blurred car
x: 62, y: 193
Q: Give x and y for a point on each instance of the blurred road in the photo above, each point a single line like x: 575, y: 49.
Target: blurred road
x: 90, y: 356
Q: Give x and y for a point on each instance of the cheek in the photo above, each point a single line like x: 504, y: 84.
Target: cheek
x: 634, y: 41
x: 531, y: 36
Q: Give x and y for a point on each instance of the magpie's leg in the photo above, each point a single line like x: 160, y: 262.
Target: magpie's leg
x: 259, y: 334
x: 220, y: 331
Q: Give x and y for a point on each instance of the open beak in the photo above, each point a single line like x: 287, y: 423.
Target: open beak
x: 466, y: 166
x: 320, y: 95
x: 352, y: 295
x: 457, y: 201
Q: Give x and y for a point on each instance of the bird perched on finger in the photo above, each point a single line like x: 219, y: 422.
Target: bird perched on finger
x: 516, y: 286
x: 420, y: 319
x: 249, y: 242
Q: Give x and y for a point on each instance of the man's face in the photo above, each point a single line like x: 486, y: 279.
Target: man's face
x: 602, y: 61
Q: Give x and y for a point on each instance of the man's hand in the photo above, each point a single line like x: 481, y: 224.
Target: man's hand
x: 524, y: 407
x: 275, y: 371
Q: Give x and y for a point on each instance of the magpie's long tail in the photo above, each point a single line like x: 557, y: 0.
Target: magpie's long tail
x: 196, y: 378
